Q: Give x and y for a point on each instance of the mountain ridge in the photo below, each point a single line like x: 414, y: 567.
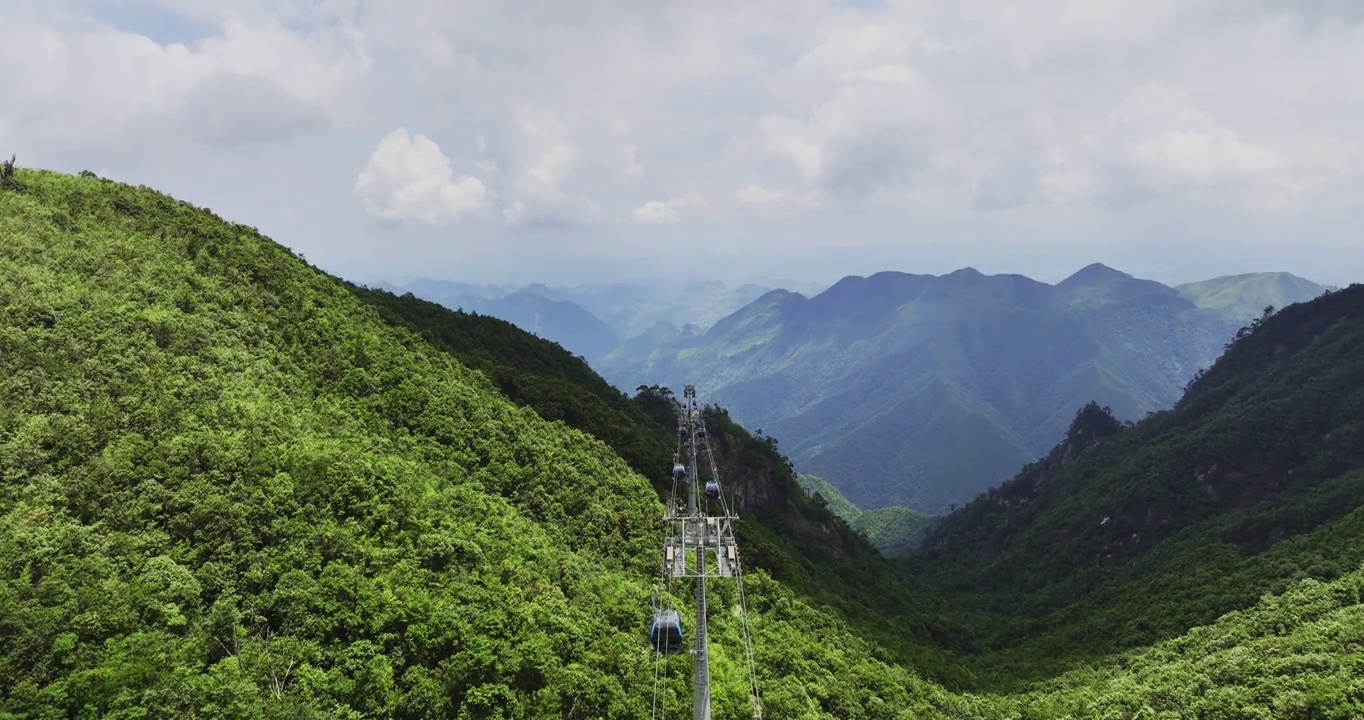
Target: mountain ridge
x: 1259, y: 461
x: 916, y: 360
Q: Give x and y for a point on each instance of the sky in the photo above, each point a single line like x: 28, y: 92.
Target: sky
x: 580, y: 141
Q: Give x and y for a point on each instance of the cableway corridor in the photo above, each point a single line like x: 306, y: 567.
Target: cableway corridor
x: 698, y: 546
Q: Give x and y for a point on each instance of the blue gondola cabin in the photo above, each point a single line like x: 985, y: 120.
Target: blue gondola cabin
x: 666, y: 633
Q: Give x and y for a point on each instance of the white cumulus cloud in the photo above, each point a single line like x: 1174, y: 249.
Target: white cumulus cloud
x: 930, y: 129
x: 655, y: 211
x: 409, y: 179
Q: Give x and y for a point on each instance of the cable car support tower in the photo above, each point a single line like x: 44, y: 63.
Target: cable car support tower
x: 699, y: 545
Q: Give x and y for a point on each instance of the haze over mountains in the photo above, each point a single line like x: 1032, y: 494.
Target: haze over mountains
x: 922, y: 390
x: 899, y: 389
x: 591, y: 320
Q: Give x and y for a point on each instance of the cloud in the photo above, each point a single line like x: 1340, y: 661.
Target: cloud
x: 80, y: 89
x: 1156, y: 146
x: 799, y: 123
x: 655, y: 212
x: 409, y: 179
x: 752, y: 194
x: 665, y: 212
x: 235, y: 110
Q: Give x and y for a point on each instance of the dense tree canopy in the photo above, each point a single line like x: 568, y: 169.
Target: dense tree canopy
x: 233, y: 486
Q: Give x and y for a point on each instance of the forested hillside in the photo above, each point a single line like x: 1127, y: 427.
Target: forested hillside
x: 923, y: 391
x: 1127, y: 535
x: 786, y: 532
x: 234, y: 486
x: 231, y: 489
x: 894, y: 530
x: 1243, y: 297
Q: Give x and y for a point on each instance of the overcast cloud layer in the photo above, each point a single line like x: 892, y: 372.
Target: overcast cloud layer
x: 575, y: 140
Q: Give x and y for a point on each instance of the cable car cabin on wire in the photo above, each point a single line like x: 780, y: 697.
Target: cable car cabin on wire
x: 712, y: 490
x: 666, y: 633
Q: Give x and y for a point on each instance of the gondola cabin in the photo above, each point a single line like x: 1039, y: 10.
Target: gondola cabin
x: 666, y: 633
x: 678, y: 471
x: 712, y: 490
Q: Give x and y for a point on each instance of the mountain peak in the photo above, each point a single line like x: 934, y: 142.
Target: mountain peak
x: 1094, y: 274
x: 1245, y: 295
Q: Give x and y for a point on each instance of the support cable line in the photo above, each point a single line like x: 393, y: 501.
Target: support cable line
x: 698, y: 545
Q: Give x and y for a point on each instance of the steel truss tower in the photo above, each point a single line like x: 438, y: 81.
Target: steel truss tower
x: 700, y: 545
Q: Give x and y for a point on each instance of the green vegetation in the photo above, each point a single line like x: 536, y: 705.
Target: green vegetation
x: 1291, y: 655
x: 1241, y: 297
x: 923, y: 391
x: 537, y: 373
x: 893, y: 530
x: 837, y: 502
x: 784, y: 530
x: 1127, y: 535
x: 233, y: 486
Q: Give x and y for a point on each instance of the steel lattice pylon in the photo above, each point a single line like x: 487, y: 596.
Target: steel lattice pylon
x: 700, y: 545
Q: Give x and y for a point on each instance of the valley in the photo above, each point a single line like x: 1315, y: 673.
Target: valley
x: 871, y: 382
x: 234, y: 485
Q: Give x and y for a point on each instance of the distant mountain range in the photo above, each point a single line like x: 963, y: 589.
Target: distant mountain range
x: 591, y: 320
x: 922, y: 390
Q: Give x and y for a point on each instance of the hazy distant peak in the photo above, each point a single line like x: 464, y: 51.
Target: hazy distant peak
x: 1095, y: 274
x: 777, y: 295
x: 1246, y: 294
x: 661, y: 331
x: 865, y: 297
x: 538, y: 289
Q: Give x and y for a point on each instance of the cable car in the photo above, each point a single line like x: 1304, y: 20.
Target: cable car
x: 701, y: 431
x: 679, y: 470
x: 666, y: 633
x: 682, y: 431
x: 712, y: 490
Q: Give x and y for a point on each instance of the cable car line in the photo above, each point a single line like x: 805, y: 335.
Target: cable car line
x: 693, y: 539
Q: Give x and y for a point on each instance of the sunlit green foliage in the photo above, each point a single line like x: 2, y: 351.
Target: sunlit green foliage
x: 232, y: 487
x: 893, y: 530
x: 1127, y: 535
x: 783, y: 529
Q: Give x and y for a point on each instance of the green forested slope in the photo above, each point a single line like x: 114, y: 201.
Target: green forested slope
x: 804, y: 545
x: 231, y: 489
x: 230, y: 486
x: 1127, y: 535
x: 221, y: 471
x: 1243, y: 297
x: 537, y: 373
x: 893, y: 530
